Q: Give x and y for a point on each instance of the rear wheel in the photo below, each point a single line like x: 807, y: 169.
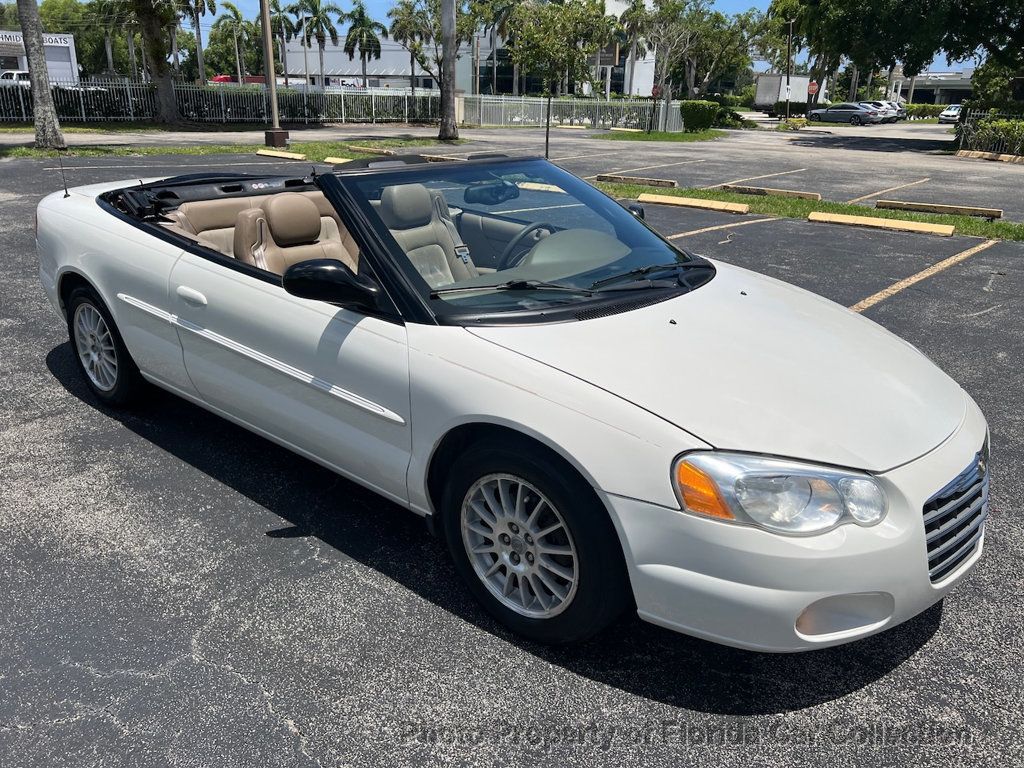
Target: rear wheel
x: 815, y: 118
x: 100, y: 352
x: 534, y: 545
x: 855, y: 120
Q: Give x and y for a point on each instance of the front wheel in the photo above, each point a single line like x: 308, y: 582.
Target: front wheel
x: 815, y: 118
x: 102, y: 357
x: 534, y: 545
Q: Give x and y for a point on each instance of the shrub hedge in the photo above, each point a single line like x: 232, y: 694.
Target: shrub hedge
x: 924, y: 110
x: 996, y: 135
x: 699, y: 115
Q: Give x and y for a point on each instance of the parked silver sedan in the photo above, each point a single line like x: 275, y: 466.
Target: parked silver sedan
x: 846, y: 112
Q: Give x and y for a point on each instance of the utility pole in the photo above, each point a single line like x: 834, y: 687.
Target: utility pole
x: 275, y: 137
x: 789, y: 64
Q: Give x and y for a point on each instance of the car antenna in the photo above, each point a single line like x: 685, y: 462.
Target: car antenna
x: 63, y: 178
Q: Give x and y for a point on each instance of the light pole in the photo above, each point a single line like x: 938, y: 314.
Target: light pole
x: 789, y: 64
x: 275, y: 137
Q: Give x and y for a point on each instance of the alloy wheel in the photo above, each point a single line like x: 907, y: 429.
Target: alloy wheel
x: 519, y: 546
x: 95, y: 347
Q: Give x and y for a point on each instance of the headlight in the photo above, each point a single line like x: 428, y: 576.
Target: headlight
x: 780, y: 495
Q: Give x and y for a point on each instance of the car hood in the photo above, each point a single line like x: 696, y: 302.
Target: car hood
x: 750, y: 363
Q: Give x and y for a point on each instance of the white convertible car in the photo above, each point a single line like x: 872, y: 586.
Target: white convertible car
x: 593, y: 419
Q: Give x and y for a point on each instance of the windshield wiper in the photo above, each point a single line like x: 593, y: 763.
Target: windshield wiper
x: 694, y: 263
x: 513, y: 285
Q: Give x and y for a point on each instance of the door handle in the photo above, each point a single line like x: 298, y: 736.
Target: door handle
x: 191, y: 295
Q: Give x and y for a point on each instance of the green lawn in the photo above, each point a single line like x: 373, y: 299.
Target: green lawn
x: 707, y: 135
x: 796, y: 208
x: 314, y: 150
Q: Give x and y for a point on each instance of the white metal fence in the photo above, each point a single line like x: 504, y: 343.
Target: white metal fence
x: 991, y: 131
x: 135, y: 101
x: 113, y: 101
x: 515, y: 111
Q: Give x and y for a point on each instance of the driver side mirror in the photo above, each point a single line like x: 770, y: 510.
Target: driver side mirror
x: 636, y: 210
x: 332, y: 281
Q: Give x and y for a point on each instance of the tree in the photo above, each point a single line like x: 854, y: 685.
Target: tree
x: 105, y: 14
x: 231, y: 22
x: 408, y: 28
x: 635, y: 21
x: 362, y: 34
x: 196, y: 9
x: 156, y: 16
x: 319, y: 26
x: 723, y: 43
x: 48, y: 133
x: 553, y: 39
x: 283, y: 27
x: 449, y: 130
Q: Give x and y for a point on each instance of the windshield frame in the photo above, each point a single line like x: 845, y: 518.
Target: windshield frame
x: 442, y: 311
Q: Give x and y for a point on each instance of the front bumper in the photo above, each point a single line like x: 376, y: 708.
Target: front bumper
x: 749, y: 588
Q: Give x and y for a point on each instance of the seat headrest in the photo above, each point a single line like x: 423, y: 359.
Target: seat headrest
x: 293, y: 219
x: 403, y: 206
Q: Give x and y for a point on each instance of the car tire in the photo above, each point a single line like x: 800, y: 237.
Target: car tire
x: 99, y: 350
x: 815, y: 118
x: 513, y: 552
x: 855, y: 120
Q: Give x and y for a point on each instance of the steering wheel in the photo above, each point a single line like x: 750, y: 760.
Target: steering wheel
x: 507, y: 259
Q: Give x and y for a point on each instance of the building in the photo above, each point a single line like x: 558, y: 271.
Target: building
x: 61, y: 59
x: 474, y: 72
x: 937, y: 87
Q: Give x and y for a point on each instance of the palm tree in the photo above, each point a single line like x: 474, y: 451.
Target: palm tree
x: 362, y: 34
x: 283, y: 27
x: 634, y: 21
x: 409, y: 28
x: 498, y: 18
x: 319, y: 26
x: 233, y: 23
x: 449, y: 130
x: 108, y: 15
x: 48, y: 133
x: 196, y: 9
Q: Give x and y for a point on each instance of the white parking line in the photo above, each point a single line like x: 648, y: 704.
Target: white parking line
x: 702, y: 230
x: 645, y: 168
x: 934, y: 269
x: 885, y: 191
x: 755, y: 178
x: 543, y: 208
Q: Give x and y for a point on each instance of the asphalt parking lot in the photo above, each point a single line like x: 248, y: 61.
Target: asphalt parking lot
x: 180, y: 592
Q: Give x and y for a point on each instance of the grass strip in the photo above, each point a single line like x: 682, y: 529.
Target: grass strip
x: 793, y: 208
x: 708, y: 135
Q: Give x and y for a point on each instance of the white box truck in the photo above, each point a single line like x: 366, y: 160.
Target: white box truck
x: 771, y: 89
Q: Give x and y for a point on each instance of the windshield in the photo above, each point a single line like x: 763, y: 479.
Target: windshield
x: 518, y: 236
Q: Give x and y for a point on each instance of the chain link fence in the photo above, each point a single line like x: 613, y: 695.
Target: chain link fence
x: 991, y: 131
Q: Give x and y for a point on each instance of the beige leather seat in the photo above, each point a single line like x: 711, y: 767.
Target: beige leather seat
x: 416, y: 221
x: 284, y: 230
x: 212, y: 222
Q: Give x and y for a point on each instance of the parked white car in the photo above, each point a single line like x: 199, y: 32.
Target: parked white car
x: 592, y: 418
x: 950, y: 114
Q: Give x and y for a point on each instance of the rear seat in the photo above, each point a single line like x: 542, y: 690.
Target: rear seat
x: 211, y: 223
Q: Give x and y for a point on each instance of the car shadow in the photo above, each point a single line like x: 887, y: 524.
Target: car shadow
x: 633, y: 656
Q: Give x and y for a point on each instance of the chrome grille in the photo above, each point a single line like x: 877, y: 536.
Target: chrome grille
x: 954, y: 518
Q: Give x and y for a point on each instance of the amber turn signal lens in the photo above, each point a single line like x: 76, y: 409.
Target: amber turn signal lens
x: 700, y: 494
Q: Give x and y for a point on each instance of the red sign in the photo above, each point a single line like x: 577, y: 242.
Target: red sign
x: 812, y: 87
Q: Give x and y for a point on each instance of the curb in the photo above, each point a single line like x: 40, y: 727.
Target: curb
x: 281, y: 154
x: 975, y: 155
x: 899, y: 225
x: 953, y: 210
x: 694, y: 202
x: 771, y: 192
x: 641, y: 180
x: 337, y: 160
